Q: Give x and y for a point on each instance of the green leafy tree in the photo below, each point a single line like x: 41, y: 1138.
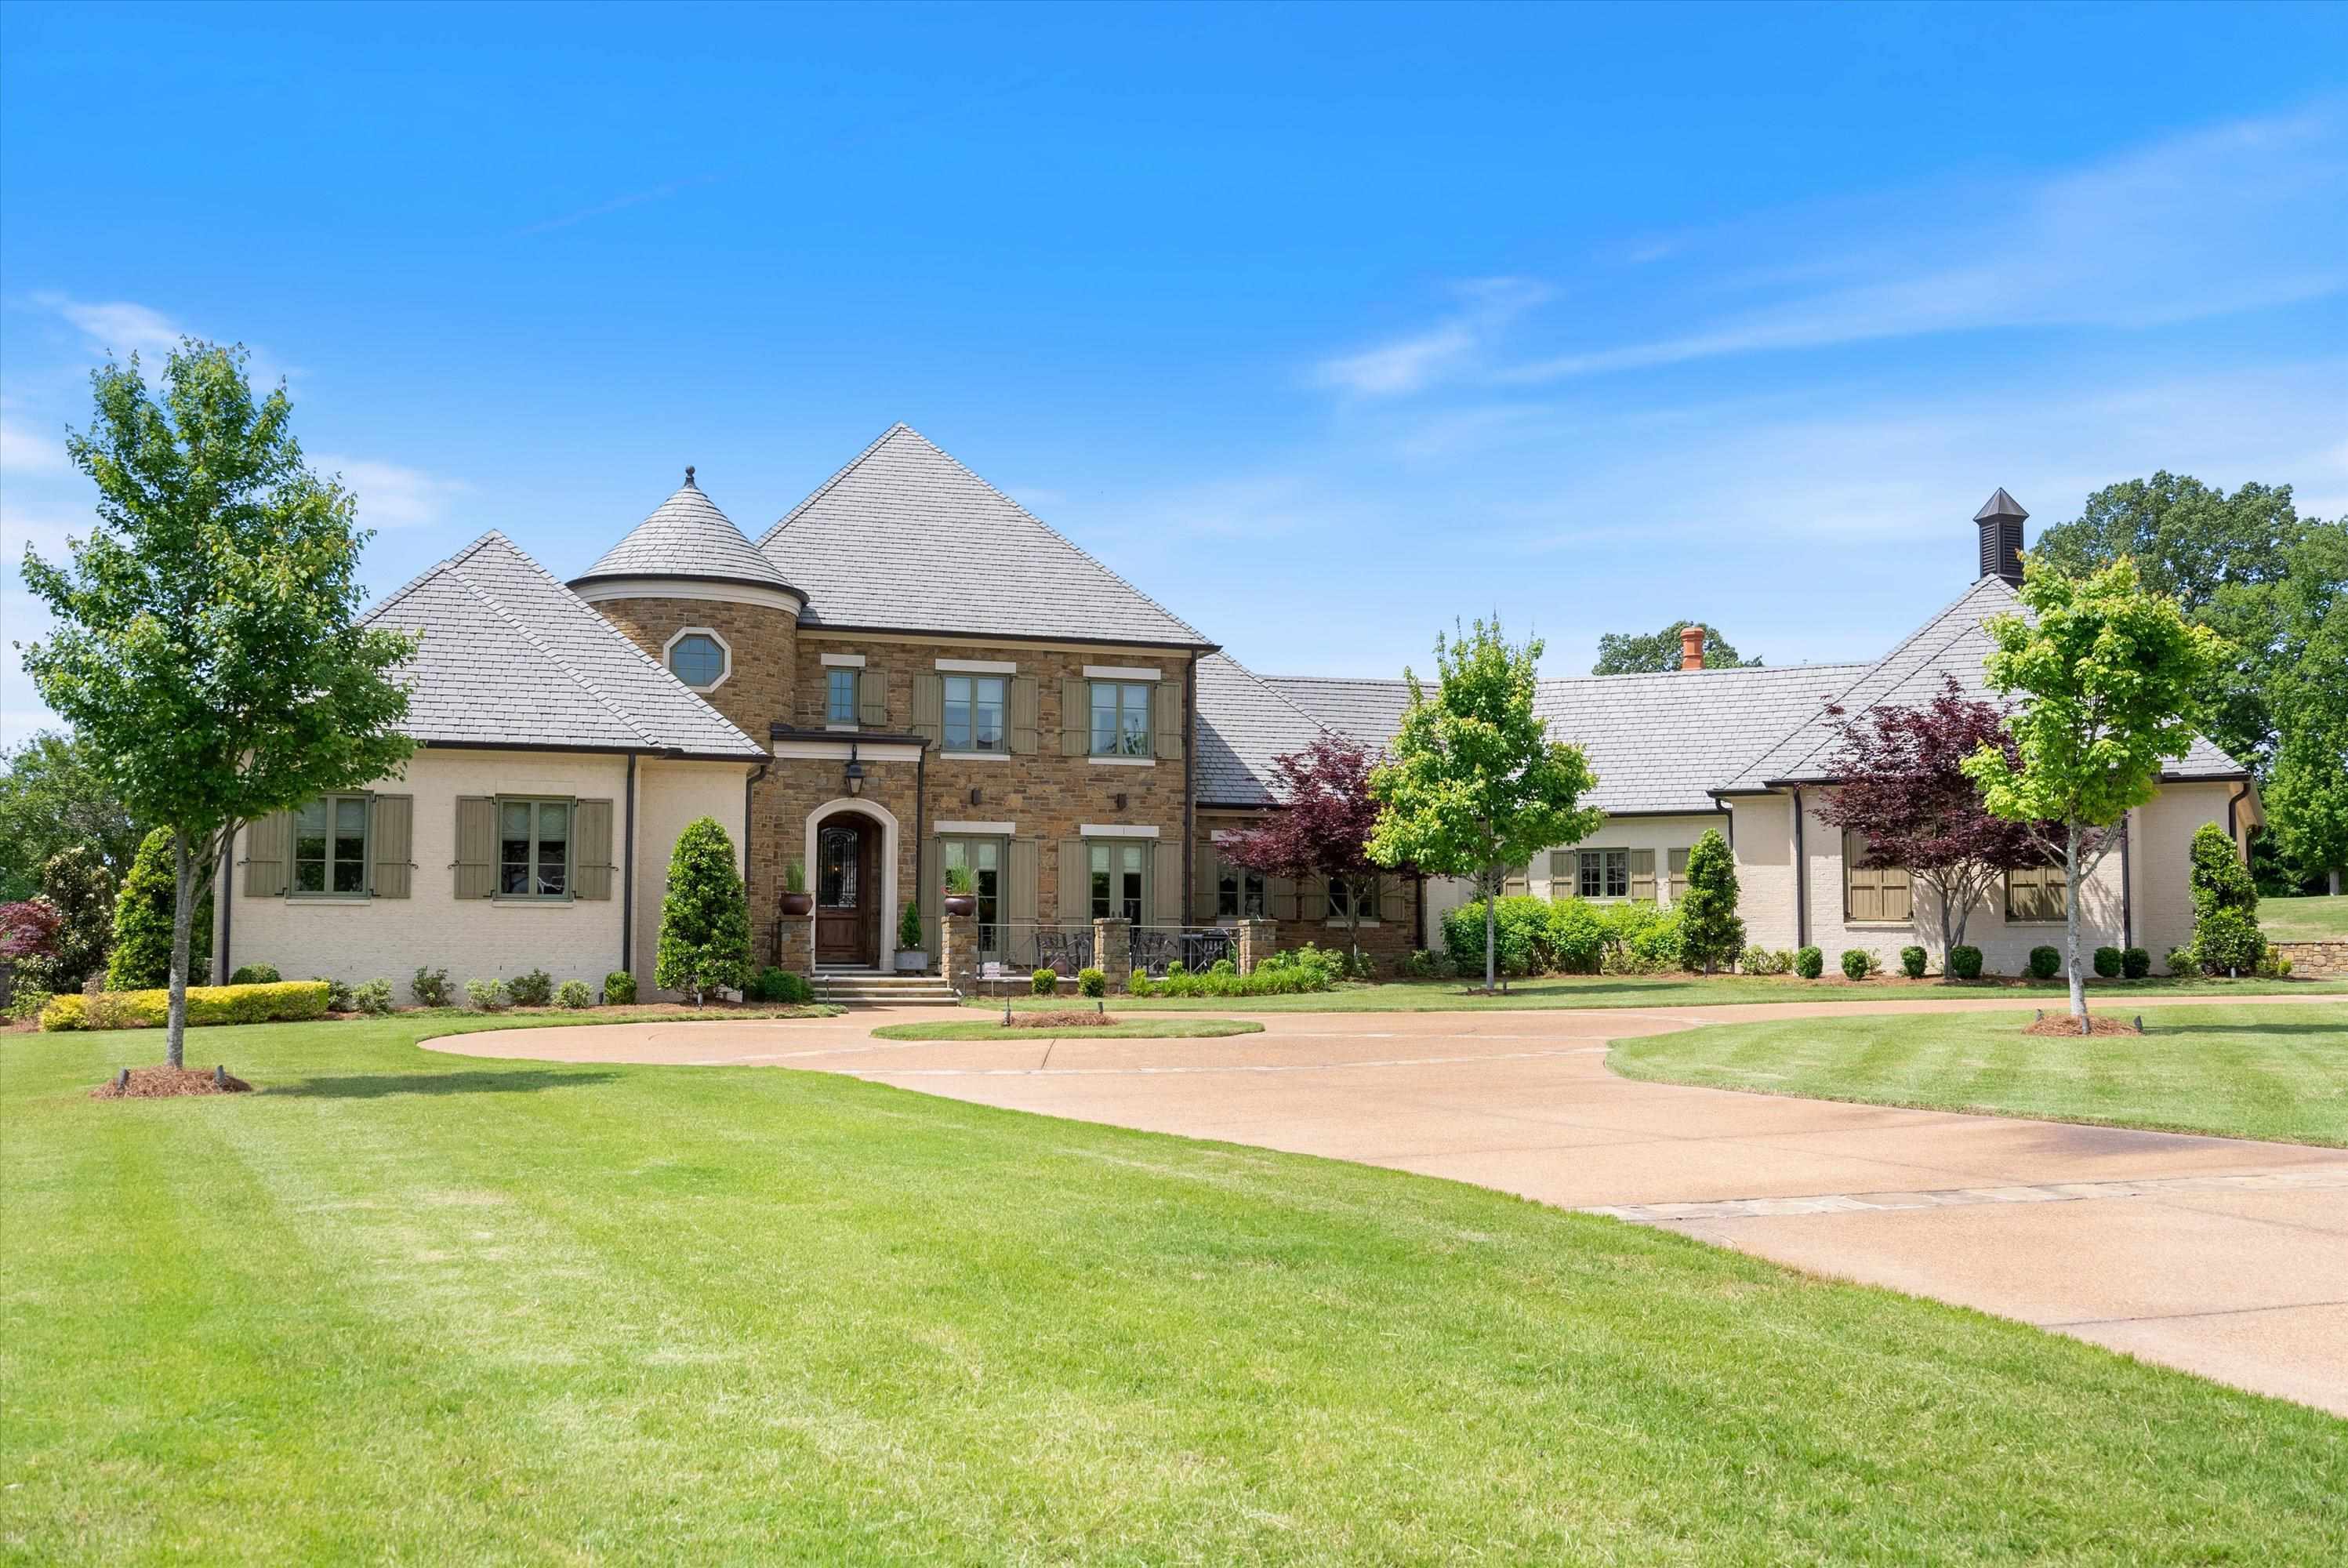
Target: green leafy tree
x: 2225, y: 935
x: 1655, y: 653
x: 53, y: 796
x: 207, y: 647
x: 2187, y: 540
x: 1474, y: 784
x: 1709, y: 929
x: 143, y: 917
x: 704, y: 929
x: 76, y: 884
x: 2110, y: 677
x: 2306, y: 787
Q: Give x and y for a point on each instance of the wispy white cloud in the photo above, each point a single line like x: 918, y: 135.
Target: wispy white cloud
x: 117, y: 326
x: 24, y: 451
x: 391, y: 495
x: 1419, y: 359
x: 618, y: 204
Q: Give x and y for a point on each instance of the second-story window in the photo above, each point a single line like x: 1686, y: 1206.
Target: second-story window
x: 839, y: 696
x: 1120, y: 718
x: 974, y: 713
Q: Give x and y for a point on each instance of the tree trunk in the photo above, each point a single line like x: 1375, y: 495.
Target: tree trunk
x: 1952, y: 931
x: 2071, y: 900
x: 1491, y: 896
x: 183, y: 925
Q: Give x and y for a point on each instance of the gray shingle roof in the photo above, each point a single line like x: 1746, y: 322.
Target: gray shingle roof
x: 904, y: 538
x: 686, y: 536
x: 1953, y: 643
x: 1243, y: 723
x: 1366, y: 711
x: 511, y: 657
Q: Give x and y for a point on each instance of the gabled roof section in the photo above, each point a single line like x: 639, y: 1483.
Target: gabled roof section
x: 1243, y: 723
x: 686, y: 536
x: 906, y: 539
x: 1660, y: 742
x: 512, y: 657
x: 1367, y: 712
x: 1953, y: 643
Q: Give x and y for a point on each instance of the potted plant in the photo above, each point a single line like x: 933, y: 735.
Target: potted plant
x: 911, y: 958
x: 796, y: 901
x: 961, y: 891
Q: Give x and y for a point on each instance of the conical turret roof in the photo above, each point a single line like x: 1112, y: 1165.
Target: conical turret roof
x: 687, y: 536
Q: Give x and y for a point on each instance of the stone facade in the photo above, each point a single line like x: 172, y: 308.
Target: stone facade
x: 2316, y: 959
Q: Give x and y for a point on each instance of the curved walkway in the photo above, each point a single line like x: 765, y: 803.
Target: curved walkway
x: 2223, y: 1256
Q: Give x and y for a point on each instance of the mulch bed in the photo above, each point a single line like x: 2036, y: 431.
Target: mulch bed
x: 167, y: 1082
x: 1070, y: 1019
x: 2064, y: 1023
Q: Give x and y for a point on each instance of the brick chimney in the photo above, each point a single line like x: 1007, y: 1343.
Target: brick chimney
x: 1691, y: 647
x: 2000, y: 521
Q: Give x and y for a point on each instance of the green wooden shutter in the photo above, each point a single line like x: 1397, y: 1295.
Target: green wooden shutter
x: 1285, y: 901
x: 872, y: 697
x: 476, y: 846
x: 1026, y: 703
x: 1676, y: 881
x: 1642, y: 874
x: 1391, y: 904
x: 267, y: 841
x: 930, y: 708
x: 928, y: 879
x: 1560, y: 870
x: 1165, y: 719
x: 1862, y: 895
x: 1515, y: 880
x: 1204, y: 871
x: 1022, y: 879
x: 1165, y: 883
x: 591, y: 850
x: 391, y: 839
x: 1076, y: 716
x: 2057, y: 893
x: 1075, y: 895
x: 1899, y: 894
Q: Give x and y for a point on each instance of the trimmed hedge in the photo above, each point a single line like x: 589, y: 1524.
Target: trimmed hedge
x: 1911, y: 962
x: 1857, y: 963
x: 1965, y: 962
x: 286, y: 1001
x: 2135, y: 962
x: 2108, y: 962
x: 2045, y: 963
x: 1809, y: 963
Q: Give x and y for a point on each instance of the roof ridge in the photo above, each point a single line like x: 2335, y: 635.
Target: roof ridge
x: 604, y: 624
x: 498, y: 607
x: 824, y: 489
x: 430, y: 573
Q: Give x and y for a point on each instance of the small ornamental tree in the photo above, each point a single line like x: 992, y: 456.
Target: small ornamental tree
x: 1711, y: 932
x: 1323, y: 827
x: 1902, y: 784
x: 705, y: 928
x: 1474, y: 784
x: 76, y: 884
x: 207, y: 645
x: 2225, y: 935
x: 28, y: 939
x: 143, y: 916
x: 2110, y: 677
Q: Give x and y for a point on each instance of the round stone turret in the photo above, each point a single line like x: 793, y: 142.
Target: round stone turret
x: 690, y: 590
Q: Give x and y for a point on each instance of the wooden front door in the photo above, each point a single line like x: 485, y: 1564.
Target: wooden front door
x: 847, y: 892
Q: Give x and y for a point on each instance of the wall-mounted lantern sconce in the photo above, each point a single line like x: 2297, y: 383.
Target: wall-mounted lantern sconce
x: 855, y: 772
x: 1120, y: 798
x: 978, y: 797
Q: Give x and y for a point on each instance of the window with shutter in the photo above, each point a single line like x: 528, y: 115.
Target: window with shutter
x: 1872, y: 893
x: 1675, y: 883
x: 593, y: 877
x: 476, y: 864
x: 1642, y: 874
x: 265, y: 841
x: 872, y: 699
x: 392, y: 836
x: 2035, y: 893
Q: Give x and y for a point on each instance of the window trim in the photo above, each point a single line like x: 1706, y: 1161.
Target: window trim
x: 570, y: 804
x: 1849, y: 864
x: 1113, y: 843
x: 724, y: 673
x: 1336, y: 917
x: 1240, y: 877
x: 1117, y: 728
x: 1604, y: 874
x: 971, y: 747
x: 326, y: 894
x: 833, y: 675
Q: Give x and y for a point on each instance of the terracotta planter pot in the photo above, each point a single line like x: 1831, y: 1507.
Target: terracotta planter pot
x: 798, y: 904
x: 961, y: 904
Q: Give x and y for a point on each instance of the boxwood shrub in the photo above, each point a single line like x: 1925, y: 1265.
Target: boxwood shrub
x: 1091, y: 982
x: 2135, y: 962
x: 1965, y: 962
x: 1911, y: 962
x: 255, y: 975
x: 1045, y: 983
x: 2045, y: 963
x: 1810, y: 963
x: 2108, y: 962
x: 285, y: 1001
x: 574, y: 995
x: 619, y: 988
x: 1857, y: 963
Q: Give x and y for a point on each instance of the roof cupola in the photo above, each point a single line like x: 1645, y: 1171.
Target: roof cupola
x: 2000, y: 522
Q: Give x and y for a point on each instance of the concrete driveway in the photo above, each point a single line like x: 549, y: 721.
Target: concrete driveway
x: 2222, y: 1256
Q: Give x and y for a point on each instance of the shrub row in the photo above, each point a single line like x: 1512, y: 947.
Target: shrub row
x: 1290, y: 972
x: 282, y: 1002
x: 1564, y: 936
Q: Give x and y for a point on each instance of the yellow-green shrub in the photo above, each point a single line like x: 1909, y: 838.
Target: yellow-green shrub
x: 286, y: 1001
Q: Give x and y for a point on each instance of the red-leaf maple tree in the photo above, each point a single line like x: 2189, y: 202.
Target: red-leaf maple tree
x: 1324, y: 818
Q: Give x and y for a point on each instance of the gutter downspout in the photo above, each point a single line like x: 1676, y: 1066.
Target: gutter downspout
x: 628, y: 875
x: 221, y: 971
x: 921, y: 836
x: 1189, y: 789
x: 749, y: 783
x: 2127, y: 882
x: 1801, y: 877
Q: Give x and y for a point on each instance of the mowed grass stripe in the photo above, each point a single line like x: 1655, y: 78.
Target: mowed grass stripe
x: 506, y: 1313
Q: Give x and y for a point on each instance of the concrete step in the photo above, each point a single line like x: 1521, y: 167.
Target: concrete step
x: 873, y: 988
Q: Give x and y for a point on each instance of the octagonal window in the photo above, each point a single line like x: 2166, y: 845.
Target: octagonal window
x: 697, y: 659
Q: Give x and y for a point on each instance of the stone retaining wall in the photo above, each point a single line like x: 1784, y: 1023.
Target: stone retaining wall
x: 2316, y: 959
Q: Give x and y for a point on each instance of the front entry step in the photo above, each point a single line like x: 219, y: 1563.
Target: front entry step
x: 872, y: 987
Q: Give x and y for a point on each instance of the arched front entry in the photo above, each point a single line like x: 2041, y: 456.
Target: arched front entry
x: 851, y: 860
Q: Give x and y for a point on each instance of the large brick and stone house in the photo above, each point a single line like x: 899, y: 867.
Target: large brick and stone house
x: 910, y: 672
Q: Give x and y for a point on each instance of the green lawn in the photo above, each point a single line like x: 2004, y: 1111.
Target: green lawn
x: 2318, y: 919
x: 2277, y: 1072
x: 1668, y: 991
x: 1124, y: 1029
x: 401, y: 1306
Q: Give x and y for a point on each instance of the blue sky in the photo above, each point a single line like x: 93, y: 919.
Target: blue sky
x: 1324, y: 327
